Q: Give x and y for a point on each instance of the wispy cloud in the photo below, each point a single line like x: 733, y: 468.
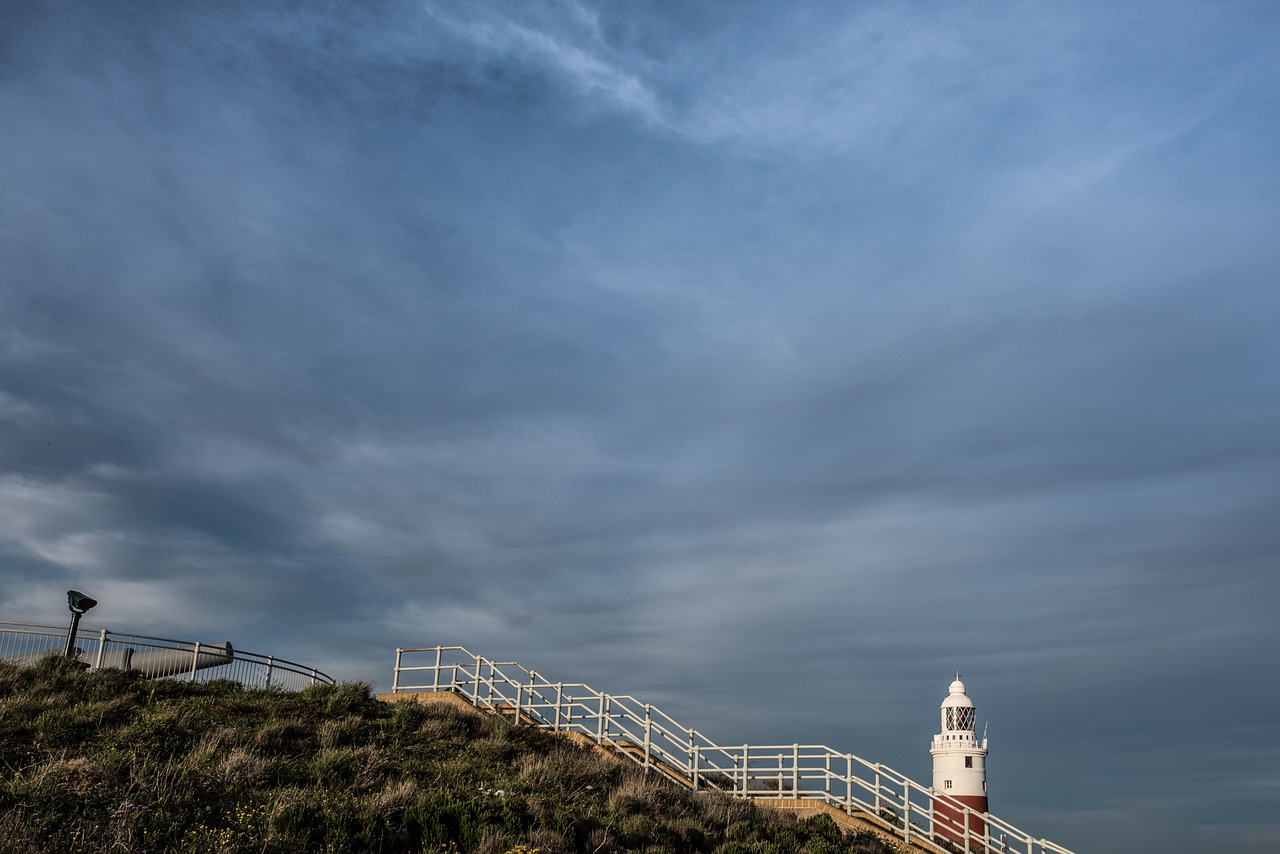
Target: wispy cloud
x: 568, y: 46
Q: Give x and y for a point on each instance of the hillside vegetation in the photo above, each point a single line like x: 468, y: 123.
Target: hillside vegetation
x: 109, y: 761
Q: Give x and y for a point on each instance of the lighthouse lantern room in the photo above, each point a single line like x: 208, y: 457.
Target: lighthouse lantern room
x: 959, y: 766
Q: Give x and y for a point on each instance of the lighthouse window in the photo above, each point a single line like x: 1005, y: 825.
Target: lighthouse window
x: 968, y: 762
x: 960, y: 719
x: 946, y: 784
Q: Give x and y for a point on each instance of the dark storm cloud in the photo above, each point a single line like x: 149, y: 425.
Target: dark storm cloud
x: 769, y: 367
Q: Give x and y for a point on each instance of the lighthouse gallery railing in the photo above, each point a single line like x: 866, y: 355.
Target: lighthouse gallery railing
x: 654, y: 740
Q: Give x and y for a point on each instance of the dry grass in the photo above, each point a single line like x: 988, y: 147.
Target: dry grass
x: 110, y: 762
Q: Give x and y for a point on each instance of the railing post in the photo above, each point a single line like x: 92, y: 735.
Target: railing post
x: 555, y: 727
x: 693, y: 764
x: 315, y: 676
x: 395, y: 675
x: 533, y: 681
x: 475, y: 696
x: 648, y: 728
x: 435, y: 674
x: 878, y: 784
x: 102, y: 645
x: 906, y: 810
x: 271, y: 663
x: 195, y: 657
x: 746, y: 762
x: 826, y: 775
x: 795, y: 770
x: 848, y: 784
x: 600, y: 719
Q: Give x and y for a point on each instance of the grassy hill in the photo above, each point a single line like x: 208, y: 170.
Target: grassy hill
x: 110, y: 761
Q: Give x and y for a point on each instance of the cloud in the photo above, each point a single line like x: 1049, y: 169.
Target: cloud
x: 572, y: 48
x: 768, y: 367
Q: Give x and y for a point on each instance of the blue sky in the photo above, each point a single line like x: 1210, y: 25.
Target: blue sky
x: 771, y: 364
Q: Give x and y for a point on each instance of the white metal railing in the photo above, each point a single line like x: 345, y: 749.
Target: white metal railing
x: 654, y: 740
x: 190, y: 660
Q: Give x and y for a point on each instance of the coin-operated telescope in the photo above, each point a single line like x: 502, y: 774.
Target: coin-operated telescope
x: 78, y: 604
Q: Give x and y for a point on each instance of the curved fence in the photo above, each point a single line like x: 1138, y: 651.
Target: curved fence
x: 159, y: 657
x: 646, y: 735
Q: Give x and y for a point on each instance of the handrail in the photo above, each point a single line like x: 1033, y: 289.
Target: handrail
x: 192, y: 660
x: 653, y: 739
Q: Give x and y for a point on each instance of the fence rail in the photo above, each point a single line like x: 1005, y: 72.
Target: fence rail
x: 651, y: 738
x: 159, y: 657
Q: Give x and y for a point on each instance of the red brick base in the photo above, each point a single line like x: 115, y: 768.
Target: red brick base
x: 948, y: 819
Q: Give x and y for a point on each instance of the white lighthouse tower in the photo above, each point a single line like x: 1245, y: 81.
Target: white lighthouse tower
x: 959, y: 765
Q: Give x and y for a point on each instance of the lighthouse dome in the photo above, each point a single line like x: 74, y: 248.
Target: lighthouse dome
x: 957, y: 697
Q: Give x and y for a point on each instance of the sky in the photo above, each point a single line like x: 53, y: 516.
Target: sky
x: 768, y: 362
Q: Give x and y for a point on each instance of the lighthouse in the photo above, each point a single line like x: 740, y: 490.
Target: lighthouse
x: 959, y: 766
